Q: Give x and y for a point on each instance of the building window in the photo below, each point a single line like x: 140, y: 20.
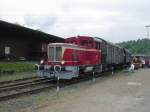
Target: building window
x: 7, y: 50
x: 44, y: 47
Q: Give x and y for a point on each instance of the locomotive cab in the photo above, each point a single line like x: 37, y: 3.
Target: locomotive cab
x: 60, y: 62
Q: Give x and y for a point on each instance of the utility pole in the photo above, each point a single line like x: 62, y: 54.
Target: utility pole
x: 147, y: 28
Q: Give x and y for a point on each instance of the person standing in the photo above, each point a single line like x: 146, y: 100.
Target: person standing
x: 131, y: 69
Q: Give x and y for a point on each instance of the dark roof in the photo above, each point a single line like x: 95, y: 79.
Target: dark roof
x: 17, y: 31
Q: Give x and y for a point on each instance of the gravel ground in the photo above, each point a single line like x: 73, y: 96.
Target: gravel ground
x: 121, y: 92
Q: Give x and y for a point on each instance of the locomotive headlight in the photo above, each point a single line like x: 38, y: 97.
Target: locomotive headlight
x: 42, y: 62
x: 62, y: 62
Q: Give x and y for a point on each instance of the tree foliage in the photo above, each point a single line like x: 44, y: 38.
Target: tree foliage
x: 140, y: 46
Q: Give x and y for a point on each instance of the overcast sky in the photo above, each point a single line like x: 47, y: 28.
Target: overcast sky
x: 113, y: 20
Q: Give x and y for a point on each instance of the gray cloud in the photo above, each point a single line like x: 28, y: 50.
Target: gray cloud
x: 113, y: 20
x: 43, y: 22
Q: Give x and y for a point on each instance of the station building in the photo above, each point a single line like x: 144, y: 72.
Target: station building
x: 19, y: 42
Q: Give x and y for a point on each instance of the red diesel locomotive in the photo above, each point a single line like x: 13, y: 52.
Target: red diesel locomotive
x: 80, y: 55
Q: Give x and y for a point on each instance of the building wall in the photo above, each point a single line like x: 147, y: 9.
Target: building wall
x: 29, y: 49
x: 24, y: 42
x: 17, y: 48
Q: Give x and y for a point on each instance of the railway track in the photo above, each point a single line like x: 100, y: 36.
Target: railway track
x: 24, y: 86
x: 27, y: 86
x: 18, y: 80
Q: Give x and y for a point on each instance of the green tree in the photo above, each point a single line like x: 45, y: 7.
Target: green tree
x: 140, y: 46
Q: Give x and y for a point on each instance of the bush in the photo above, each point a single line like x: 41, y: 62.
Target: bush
x: 16, y: 66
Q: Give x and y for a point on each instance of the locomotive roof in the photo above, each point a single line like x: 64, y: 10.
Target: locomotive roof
x: 63, y: 44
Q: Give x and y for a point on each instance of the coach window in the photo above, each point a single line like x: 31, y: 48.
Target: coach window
x: 58, y: 53
x: 51, y: 53
x: 74, y: 42
x: 97, y: 45
x: 90, y: 44
x: 84, y: 43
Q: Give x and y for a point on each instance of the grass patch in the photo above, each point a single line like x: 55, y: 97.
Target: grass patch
x: 17, y: 66
x: 3, y: 109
